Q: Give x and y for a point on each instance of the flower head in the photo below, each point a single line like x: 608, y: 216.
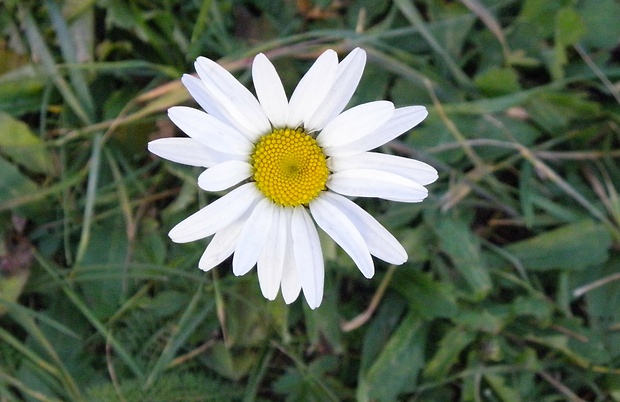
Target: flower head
x: 291, y: 164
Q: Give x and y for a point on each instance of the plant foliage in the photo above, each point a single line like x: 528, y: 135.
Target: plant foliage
x: 512, y: 288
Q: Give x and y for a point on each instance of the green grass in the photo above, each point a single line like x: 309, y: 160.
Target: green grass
x: 512, y: 288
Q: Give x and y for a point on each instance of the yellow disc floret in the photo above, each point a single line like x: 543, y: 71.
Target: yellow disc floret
x: 289, y: 167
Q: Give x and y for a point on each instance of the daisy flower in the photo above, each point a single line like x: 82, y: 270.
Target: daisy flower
x: 291, y: 164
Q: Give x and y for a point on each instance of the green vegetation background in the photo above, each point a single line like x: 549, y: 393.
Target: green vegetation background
x: 512, y: 289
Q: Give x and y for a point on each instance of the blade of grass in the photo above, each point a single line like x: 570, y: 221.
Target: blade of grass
x: 102, y: 272
x: 18, y: 309
x: 613, y: 90
x: 481, y: 170
x: 199, y: 27
x: 66, y: 208
x: 83, y: 308
x: 65, y: 42
x: 14, y: 382
x: 64, y: 376
x: 412, y: 14
x: 549, y: 173
x: 487, y: 17
x: 43, y: 192
x: 397, y: 67
x: 308, y: 374
x: 557, y: 384
x: 49, y: 66
x: 184, y: 328
x: 252, y: 387
x: 123, y: 197
x: 91, y: 195
x: 28, y: 353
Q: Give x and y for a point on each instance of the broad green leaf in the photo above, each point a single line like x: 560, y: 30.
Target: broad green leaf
x: 463, y: 248
x: 376, y: 82
x: 427, y: 297
x: 481, y: 320
x: 308, y: 383
x: 456, y: 23
x: 167, y: 302
x: 569, y: 27
x: 13, y: 183
x: 397, y: 367
x: 20, y: 144
x: 602, y: 302
x: 569, y: 247
x: 151, y: 245
x: 449, y: 349
x: 247, y: 322
x: 21, y: 92
x: 108, y: 243
x: 503, y: 391
x: 415, y: 241
x: 498, y: 81
x: 555, y: 111
x: 323, y: 324
x: 384, y: 322
x: 585, y: 350
x: 11, y: 287
x: 601, y: 22
x: 538, y: 307
x: 588, y: 345
x: 558, y: 211
x: 538, y: 13
x: 229, y: 364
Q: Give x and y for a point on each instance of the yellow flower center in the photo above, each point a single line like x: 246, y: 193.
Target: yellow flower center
x: 289, y: 167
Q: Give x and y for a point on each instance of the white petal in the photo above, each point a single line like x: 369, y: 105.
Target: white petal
x: 338, y: 226
x: 402, y: 120
x: 347, y: 78
x: 379, y: 240
x: 290, y: 281
x: 208, y: 100
x: 232, y: 96
x: 210, y: 131
x: 217, y: 215
x: 312, y: 89
x: 412, y: 169
x: 308, y: 256
x: 269, y: 90
x: 223, y: 111
x: 198, y: 91
x: 374, y: 183
x: 355, y: 123
x: 222, y: 244
x: 253, y: 237
x: 291, y: 287
x: 186, y: 151
x: 271, y: 261
x: 224, y: 175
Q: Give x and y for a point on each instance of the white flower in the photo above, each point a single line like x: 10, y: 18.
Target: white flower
x: 291, y: 162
